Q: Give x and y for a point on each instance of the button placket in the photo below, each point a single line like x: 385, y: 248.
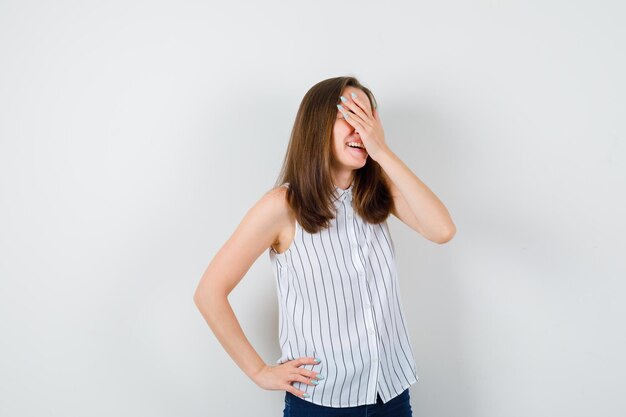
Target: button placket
x: 369, y: 316
x: 369, y: 305
x: 360, y: 266
x: 354, y: 245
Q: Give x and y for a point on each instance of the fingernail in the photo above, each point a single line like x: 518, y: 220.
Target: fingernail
x: 353, y: 95
x: 314, y: 382
x: 305, y: 395
x: 345, y: 100
x: 340, y: 107
x: 320, y: 376
x: 317, y: 360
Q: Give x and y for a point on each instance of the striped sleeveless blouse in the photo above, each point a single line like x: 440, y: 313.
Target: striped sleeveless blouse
x: 339, y: 301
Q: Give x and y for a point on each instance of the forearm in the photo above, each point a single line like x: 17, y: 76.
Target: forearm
x: 432, y: 215
x: 221, y: 318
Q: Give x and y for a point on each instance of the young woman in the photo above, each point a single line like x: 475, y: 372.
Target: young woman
x: 343, y: 335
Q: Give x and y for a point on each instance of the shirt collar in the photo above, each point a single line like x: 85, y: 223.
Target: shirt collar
x: 344, y: 194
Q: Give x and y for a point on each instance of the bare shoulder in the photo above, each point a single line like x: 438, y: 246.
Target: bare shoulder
x: 276, y: 201
x: 283, y: 215
x: 261, y: 227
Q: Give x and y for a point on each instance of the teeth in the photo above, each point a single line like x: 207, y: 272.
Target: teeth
x: 356, y: 145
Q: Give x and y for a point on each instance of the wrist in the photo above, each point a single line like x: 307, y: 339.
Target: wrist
x: 255, y: 374
x: 383, y: 154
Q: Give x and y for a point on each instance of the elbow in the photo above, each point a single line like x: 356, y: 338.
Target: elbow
x: 199, y: 302
x: 204, y: 305
x: 446, y: 235
x: 201, y: 298
x: 204, y: 299
x: 197, y: 298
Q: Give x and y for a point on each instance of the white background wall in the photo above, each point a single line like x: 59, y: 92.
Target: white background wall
x: 134, y: 136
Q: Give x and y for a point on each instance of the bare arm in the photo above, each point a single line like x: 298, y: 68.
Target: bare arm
x: 414, y: 203
x: 254, y: 235
x: 258, y: 230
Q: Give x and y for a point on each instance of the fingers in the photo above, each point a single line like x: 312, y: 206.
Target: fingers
x: 302, y: 379
x: 357, y: 114
x: 309, y: 374
x: 305, y: 380
x: 359, y: 100
x: 303, y: 375
x: 358, y: 105
x: 352, y: 120
x: 306, y: 361
x: 297, y: 392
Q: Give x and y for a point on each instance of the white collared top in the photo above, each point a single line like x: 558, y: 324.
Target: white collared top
x: 339, y: 301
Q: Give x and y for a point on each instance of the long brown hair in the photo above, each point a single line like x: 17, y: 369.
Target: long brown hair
x: 307, y: 162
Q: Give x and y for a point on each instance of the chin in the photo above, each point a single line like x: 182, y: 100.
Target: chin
x: 352, y: 165
x: 349, y: 161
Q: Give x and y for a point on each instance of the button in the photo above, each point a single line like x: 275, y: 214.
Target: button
x: 371, y: 331
x: 353, y: 244
x: 368, y: 305
x: 361, y: 274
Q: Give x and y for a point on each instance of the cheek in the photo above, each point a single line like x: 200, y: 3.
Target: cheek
x: 341, y: 129
x: 338, y: 144
x: 338, y: 136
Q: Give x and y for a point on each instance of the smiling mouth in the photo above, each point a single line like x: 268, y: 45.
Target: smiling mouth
x: 357, y: 149
x: 355, y: 145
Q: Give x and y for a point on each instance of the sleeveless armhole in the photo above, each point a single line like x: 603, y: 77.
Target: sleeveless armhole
x: 295, y: 231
